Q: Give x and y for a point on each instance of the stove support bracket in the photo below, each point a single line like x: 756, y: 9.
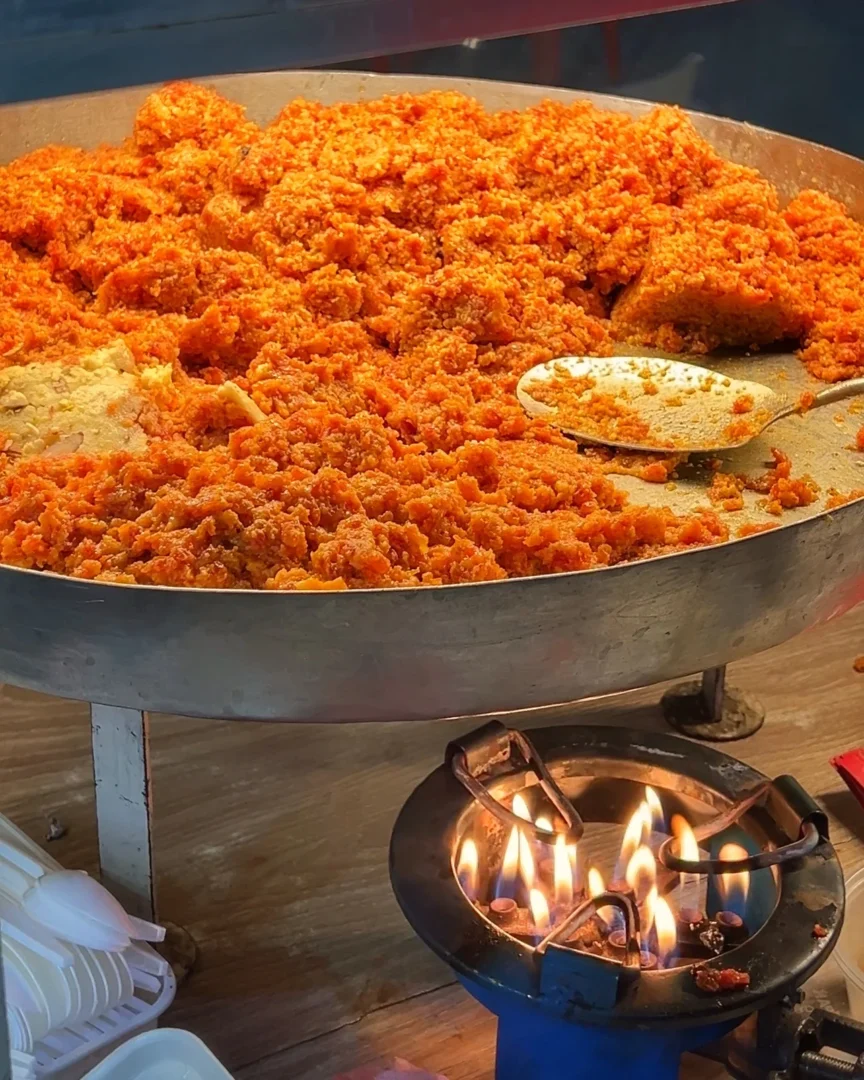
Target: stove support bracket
x: 711, y: 710
x: 789, y: 1041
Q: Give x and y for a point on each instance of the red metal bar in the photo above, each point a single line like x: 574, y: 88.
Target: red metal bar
x: 612, y: 41
x: 546, y: 57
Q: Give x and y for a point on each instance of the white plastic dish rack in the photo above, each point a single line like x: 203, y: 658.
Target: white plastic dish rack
x: 68, y: 1051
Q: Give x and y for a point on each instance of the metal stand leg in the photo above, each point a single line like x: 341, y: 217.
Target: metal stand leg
x: 711, y: 710
x: 121, y: 768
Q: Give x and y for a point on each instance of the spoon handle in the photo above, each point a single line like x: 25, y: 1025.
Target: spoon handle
x: 837, y: 392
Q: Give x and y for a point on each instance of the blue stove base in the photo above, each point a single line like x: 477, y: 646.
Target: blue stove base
x: 535, y: 1046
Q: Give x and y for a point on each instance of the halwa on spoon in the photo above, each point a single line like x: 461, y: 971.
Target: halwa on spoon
x: 659, y: 405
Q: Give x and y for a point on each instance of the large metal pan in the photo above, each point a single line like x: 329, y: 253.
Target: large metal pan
x: 465, y: 649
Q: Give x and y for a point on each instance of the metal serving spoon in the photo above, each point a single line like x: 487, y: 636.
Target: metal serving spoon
x: 654, y: 404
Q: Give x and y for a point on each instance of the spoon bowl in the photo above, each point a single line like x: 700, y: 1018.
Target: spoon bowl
x: 78, y: 909
x: 657, y: 405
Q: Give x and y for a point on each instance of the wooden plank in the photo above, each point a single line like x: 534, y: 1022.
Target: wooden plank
x: 446, y: 1030
x: 46, y: 772
x: 271, y: 848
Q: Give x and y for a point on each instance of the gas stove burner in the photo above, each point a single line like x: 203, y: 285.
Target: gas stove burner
x: 696, y: 931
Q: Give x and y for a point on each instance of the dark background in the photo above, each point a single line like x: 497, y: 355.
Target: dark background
x: 794, y: 65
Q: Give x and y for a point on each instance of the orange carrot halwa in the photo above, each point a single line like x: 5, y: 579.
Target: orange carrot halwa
x: 326, y: 318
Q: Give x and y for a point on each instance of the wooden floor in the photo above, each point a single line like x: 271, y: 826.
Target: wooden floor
x: 271, y: 845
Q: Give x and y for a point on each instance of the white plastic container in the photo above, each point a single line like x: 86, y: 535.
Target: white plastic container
x: 167, y: 1054
x: 850, y: 948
